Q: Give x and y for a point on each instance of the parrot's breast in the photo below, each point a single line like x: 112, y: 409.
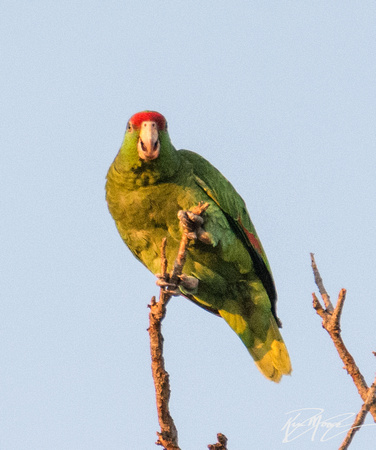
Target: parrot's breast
x: 146, y: 215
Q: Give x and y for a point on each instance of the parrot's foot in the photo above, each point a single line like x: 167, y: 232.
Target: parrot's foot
x: 192, y: 223
x: 186, y: 282
x: 164, y: 282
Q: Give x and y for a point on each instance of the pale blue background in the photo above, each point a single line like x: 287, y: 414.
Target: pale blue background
x: 280, y: 96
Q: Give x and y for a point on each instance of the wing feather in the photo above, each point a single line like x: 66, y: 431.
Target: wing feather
x: 221, y: 191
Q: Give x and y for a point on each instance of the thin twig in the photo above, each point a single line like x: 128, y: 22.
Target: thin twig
x: 359, y: 419
x: 221, y: 444
x: 331, y: 322
x: 320, y: 285
x: 358, y: 422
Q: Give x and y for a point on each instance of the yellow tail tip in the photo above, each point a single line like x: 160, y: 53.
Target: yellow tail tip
x: 275, y: 362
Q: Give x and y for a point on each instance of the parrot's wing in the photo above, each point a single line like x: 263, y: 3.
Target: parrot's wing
x: 221, y: 191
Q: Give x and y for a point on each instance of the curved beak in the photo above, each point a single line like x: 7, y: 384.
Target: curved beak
x: 148, y: 145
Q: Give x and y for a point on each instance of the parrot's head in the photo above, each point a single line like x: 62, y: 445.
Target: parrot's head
x: 149, y: 128
x: 147, y: 153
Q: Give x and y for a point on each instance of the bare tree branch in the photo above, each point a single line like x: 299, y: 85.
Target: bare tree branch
x: 168, y: 436
x: 331, y: 322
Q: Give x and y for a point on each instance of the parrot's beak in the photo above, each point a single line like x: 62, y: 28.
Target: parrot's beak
x: 148, y: 145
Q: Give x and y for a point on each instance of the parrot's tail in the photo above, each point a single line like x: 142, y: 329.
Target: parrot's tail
x: 266, y: 346
x: 271, y: 356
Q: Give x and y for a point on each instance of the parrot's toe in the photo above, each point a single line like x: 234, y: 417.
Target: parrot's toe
x: 187, y: 282
x: 190, y: 220
x: 163, y: 281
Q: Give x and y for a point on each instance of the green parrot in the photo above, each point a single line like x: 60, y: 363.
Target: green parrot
x: 148, y: 183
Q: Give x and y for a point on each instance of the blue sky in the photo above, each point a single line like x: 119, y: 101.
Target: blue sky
x: 279, y: 96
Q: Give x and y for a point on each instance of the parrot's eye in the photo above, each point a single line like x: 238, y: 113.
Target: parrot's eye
x: 129, y: 127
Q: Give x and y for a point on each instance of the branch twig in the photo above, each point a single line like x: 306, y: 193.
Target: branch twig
x: 359, y: 419
x: 331, y: 318
x: 221, y: 444
x: 320, y: 285
x: 168, y: 436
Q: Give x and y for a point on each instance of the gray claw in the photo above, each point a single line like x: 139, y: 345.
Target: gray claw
x: 162, y: 283
x: 194, y: 218
x: 203, y: 236
x: 163, y: 280
x: 187, y: 282
x: 174, y: 292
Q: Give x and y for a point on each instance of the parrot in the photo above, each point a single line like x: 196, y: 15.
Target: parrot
x: 226, y: 271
